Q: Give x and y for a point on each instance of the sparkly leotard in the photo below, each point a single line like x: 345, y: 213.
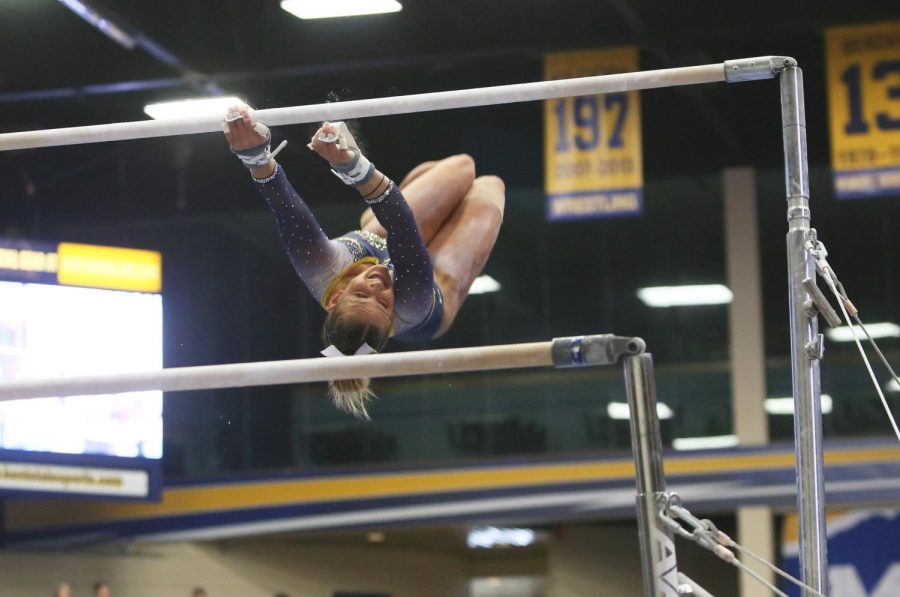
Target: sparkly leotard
x: 322, y: 262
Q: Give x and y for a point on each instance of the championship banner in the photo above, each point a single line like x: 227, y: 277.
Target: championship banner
x: 864, y: 108
x: 863, y: 553
x: 593, y: 165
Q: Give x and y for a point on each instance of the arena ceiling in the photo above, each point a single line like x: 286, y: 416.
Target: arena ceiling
x: 59, y: 71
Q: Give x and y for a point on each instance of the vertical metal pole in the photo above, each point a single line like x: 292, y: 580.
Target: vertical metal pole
x: 806, y: 344
x: 659, y: 565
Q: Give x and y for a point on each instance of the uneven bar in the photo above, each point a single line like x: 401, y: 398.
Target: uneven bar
x: 600, y: 349
x: 404, y: 104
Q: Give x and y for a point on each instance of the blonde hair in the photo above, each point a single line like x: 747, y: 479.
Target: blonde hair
x: 351, y: 396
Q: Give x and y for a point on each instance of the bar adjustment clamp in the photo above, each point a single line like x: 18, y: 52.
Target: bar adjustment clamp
x: 755, y: 69
x: 600, y: 349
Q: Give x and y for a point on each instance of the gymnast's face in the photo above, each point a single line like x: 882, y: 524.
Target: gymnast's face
x: 368, y: 297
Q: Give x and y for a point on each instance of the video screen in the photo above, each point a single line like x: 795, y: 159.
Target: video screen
x: 50, y: 331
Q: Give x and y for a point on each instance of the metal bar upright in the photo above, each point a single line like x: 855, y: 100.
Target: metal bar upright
x: 658, y: 561
x: 806, y: 342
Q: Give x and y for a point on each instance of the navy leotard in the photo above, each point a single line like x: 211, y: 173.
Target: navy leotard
x: 322, y: 262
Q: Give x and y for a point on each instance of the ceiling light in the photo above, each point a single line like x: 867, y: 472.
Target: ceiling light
x: 785, y: 406
x: 621, y: 411
x: 323, y: 9
x: 375, y: 537
x: 683, y: 296
x: 483, y: 284
x: 892, y: 386
x: 209, y: 106
x: 876, y: 330
x: 496, y: 537
x: 705, y: 443
x: 104, y: 23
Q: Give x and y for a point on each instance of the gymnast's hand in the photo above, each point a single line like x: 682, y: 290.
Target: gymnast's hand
x: 330, y: 142
x: 250, y: 141
x: 242, y: 133
x: 334, y: 142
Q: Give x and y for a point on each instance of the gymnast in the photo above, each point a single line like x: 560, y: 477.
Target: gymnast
x: 407, y: 271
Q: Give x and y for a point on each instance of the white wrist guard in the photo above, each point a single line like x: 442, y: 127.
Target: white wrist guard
x: 259, y: 156
x: 357, y: 171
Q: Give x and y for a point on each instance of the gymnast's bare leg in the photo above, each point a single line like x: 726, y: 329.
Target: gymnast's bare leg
x: 460, y: 249
x: 433, y: 191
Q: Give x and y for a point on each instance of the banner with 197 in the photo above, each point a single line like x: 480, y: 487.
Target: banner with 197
x: 593, y: 164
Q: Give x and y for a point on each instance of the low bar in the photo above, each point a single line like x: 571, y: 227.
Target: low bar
x: 404, y: 104
x: 601, y: 349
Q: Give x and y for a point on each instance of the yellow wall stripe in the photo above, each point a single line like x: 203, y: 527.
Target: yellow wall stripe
x: 34, y: 514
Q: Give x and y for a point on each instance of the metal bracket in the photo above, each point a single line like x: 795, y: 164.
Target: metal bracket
x: 600, y: 349
x: 816, y: 348
x: 817, y: 303
x: 755, y: 69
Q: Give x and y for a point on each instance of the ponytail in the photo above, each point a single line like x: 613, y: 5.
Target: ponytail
x: 351, y: 395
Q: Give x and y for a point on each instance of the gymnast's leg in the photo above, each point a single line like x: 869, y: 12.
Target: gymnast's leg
x: 433, y: 191
x: 462, y: 246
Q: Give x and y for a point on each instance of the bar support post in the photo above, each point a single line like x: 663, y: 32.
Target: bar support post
x: 658, y: 562
x: 806, y: 342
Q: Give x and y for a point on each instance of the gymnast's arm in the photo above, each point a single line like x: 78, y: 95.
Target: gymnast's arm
x: 413, y: 268
x: 309, y: 249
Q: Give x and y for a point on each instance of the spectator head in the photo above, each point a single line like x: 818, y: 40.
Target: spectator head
x: 63, y: 590
x: 101, y: 589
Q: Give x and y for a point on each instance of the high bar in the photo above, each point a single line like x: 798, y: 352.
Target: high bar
x: 403, y: 104
x: 576, y: 351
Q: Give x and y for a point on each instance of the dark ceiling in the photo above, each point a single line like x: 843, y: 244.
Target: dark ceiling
x: 58, y: 71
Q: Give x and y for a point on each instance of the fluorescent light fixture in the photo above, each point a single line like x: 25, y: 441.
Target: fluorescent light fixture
x: 785, y: 406
x: 876, y: 330
x: 324, y: 9
x: 483, y: 284
x: 488, y: 537
x: 685, y: 296
x: 90, y: 14
x: 705, y: 443
x: 621, y: 411
x: 208, y: 106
